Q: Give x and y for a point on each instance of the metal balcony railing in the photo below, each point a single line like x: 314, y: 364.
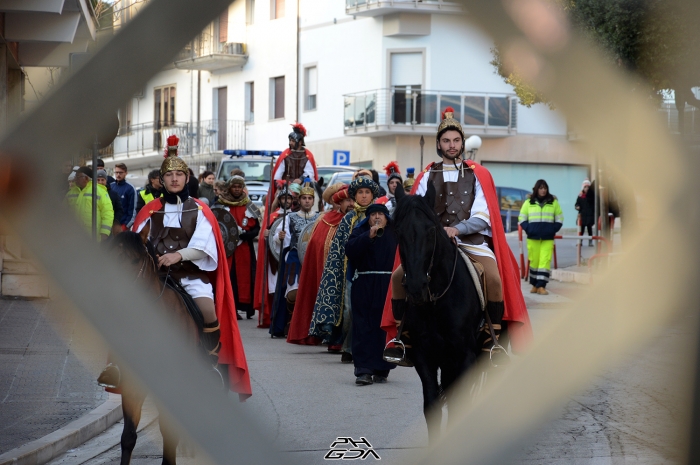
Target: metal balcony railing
x: 691, y: 124
x: 149, y: 138
x: 380, y: 7
x: 401, y: 107
x: 206, y: 52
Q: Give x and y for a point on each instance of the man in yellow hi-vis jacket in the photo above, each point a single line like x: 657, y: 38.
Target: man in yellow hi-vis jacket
x: 540, y: 217
x: 80, y: 198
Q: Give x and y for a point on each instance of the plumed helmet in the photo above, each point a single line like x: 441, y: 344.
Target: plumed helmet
x: 172, y: 161
x: 448, y: 123
x: 298, y: 133
x: 393, y: 172
x: 361, y: 182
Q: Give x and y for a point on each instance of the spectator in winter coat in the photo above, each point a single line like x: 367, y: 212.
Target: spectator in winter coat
x: 193, y: 185
x: 206, y: 187
x: 127, y: 195
x: 79, y: 197
x: 585, y: 204
x: 102, y: 179
x: 152, y: 191
x: 540, y: 217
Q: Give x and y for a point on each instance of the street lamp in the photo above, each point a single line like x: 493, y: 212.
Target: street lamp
x: 471, y: 146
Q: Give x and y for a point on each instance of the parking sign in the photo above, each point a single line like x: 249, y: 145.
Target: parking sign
x: 341, y: 157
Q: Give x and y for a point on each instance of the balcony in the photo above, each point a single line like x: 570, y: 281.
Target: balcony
x: 205, y: 52
x: 385, y: 7
x: 148, y: 139
x: 403, y: 111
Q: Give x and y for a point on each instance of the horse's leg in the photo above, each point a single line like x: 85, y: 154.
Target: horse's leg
x: 170, y: 439
x: 132, y: 401
x: 427, y: 371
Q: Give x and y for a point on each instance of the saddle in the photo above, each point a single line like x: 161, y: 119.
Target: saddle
x: 190, y: 304
x: 476, y: 270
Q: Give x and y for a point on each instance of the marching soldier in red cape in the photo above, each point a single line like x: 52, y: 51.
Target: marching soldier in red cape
x: 393, y: 182
x: 267, y: 260
x: 296, y: 162
x: 468, y: 207
x: 185, y: 234
x: 242, y: 263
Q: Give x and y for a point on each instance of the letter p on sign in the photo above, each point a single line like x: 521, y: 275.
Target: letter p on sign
x: 341, y: 157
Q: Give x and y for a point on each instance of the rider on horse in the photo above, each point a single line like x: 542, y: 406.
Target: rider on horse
x: 467, y: 207
x: 188, y: 244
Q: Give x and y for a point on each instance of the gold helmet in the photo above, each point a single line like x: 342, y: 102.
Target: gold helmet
x: 172, y: 161
x: 448, y: 123
x: 410, y: 180
x: 307, y: 188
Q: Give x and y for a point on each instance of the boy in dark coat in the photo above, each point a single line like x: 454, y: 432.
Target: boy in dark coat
x: 371, y: 250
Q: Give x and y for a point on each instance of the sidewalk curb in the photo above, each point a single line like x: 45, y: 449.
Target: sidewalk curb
x: 567, y: 276
x: 72, y: 435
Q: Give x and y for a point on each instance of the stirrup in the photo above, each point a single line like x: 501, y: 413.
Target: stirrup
x: 108, y: 375
x: 395, y: 354
x: 217, y: 376
x: 502, y: 357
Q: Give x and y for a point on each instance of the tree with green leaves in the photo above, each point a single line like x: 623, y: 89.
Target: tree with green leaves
x: 655, y: 40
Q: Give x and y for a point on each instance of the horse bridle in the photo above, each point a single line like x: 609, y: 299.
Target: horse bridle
x: 142, y: 273
x: 433, y: 298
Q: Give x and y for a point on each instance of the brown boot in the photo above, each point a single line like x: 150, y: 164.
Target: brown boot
x: 542, y: 291
x: 533, y: 290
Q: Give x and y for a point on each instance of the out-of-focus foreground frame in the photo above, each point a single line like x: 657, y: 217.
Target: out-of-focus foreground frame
x: 642, y: 290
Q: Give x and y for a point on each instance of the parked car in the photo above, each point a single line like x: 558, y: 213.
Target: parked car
x: 510, y: 200
x: 256, y: 166
x: 327, y: 171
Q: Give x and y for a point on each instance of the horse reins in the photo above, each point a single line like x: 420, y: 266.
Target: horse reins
x: 143, y: 274
x: 433, y: 298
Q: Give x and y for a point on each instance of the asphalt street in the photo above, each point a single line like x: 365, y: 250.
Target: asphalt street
x: 304, y: 398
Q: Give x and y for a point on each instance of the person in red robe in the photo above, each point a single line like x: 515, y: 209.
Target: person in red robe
x: 242, y: 263
x: 314, y: 260
x: 296, y: 162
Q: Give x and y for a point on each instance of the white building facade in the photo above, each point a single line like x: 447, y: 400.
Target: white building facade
x: 368, y: 77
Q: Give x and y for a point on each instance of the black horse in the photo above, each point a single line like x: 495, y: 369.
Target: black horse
x: 444, y: 311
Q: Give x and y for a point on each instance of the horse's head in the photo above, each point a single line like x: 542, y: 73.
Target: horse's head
x: 418, y: 231
x: 132, y: 251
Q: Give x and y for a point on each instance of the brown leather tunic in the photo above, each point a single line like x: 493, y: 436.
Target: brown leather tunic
x: 167, y: 240
x: 294, y: 165
x: 454, y: 200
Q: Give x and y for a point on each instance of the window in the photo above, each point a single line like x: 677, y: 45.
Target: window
x: 125, y: 118
x: 276, y: 9
x: 310, y: 88
x: 277, y: 98
x: 250, y: 11
x: 223, y: 27
x: 163, y: 112
x: 250, y: 102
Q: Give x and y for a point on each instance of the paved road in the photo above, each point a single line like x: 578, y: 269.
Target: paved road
x: 305, y: 398
x: 43, y: 383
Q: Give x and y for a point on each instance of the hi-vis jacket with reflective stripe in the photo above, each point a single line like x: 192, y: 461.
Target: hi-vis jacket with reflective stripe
x: 541, y: 221
x: 81, y: 201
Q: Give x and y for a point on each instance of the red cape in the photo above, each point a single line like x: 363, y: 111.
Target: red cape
x: 231, y: 352
x: 261, y: 271
x: 310, y: 279
x: 516, y: 314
